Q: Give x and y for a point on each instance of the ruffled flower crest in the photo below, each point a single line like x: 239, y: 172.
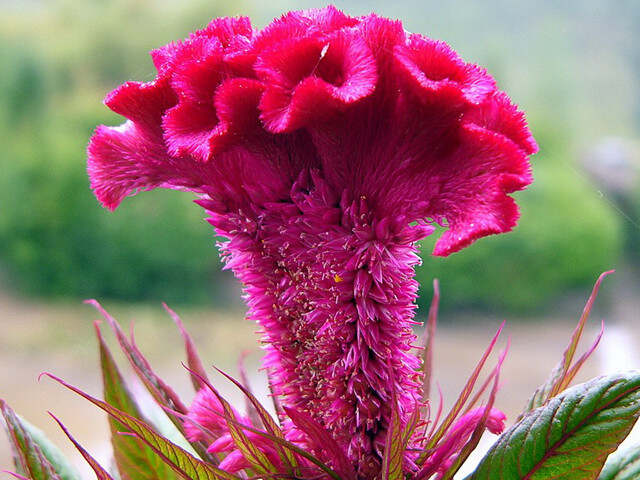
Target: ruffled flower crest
x: 323, y: 148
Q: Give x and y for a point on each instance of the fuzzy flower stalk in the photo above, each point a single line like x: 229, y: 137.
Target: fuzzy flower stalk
x: 323, y: 147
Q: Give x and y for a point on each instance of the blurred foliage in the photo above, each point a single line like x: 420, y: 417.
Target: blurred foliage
x: 55, y: 239
x: 557, y: 59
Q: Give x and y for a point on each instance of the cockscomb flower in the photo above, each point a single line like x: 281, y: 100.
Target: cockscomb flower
x: 323, y: 147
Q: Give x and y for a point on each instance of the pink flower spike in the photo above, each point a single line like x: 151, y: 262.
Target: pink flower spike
x: 207, y: 411
x: 234, y: 462
x: 458, y: 435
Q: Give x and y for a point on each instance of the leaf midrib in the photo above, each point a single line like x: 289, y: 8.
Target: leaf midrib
x: 568, y: 434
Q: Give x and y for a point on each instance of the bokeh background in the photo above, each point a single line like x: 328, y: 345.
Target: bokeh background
x: 573, y: 66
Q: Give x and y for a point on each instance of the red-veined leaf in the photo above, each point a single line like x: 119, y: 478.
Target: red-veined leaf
x: 193, y: 359
x: 568, y: 438
x: 181, y: 461
x: 135, y: 461
x: 101, y: 473
x: 562, y: 374
x: 394, y: 447
x: 164, y: 395
x: 323, y: 441
x: 268, y: 422
x: 30, y: 459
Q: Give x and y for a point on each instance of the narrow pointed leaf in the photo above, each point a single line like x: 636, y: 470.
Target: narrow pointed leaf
x: 135, y: 461
x: 181, y: 461
x: 274, y: 398
x: 622, y: 465
x: 410, y: 427
x: 434, y: 422
x: 289, y: 446
x: 562, y: 374
x: 323, y: 441
x: 393, y: 447
x: 575, y: 339
x: 159, y: 390
x: 476, y: 398
x: 467, y: 390
x: 429, y: 335
x: 101, y: 473
x: 193, y: 359
x: 575, y: 368
x: 473, y: 442
x: 253, y: 414
x: 156, y: 386
x: 570, y: 437
x: 251, y: 453
x: 267, y: 421
x: 29, y: 456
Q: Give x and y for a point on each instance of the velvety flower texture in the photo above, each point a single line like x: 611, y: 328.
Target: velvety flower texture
x: 323, y: 147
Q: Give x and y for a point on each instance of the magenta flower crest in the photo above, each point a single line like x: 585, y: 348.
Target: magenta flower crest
x: 323, y: 147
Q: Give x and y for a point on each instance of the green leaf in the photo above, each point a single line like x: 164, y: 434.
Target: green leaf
x: 34, y: 456
x: 181, y: 461
x: 52, y: 453
x: 570, y: 437
x: 622, y: 465
x: 135, y: 461
x: 410, y: 427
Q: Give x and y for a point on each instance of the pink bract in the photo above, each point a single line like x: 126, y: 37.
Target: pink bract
x: 323, y: 148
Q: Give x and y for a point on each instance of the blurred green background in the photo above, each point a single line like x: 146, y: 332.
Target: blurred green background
x: 573, y: 66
